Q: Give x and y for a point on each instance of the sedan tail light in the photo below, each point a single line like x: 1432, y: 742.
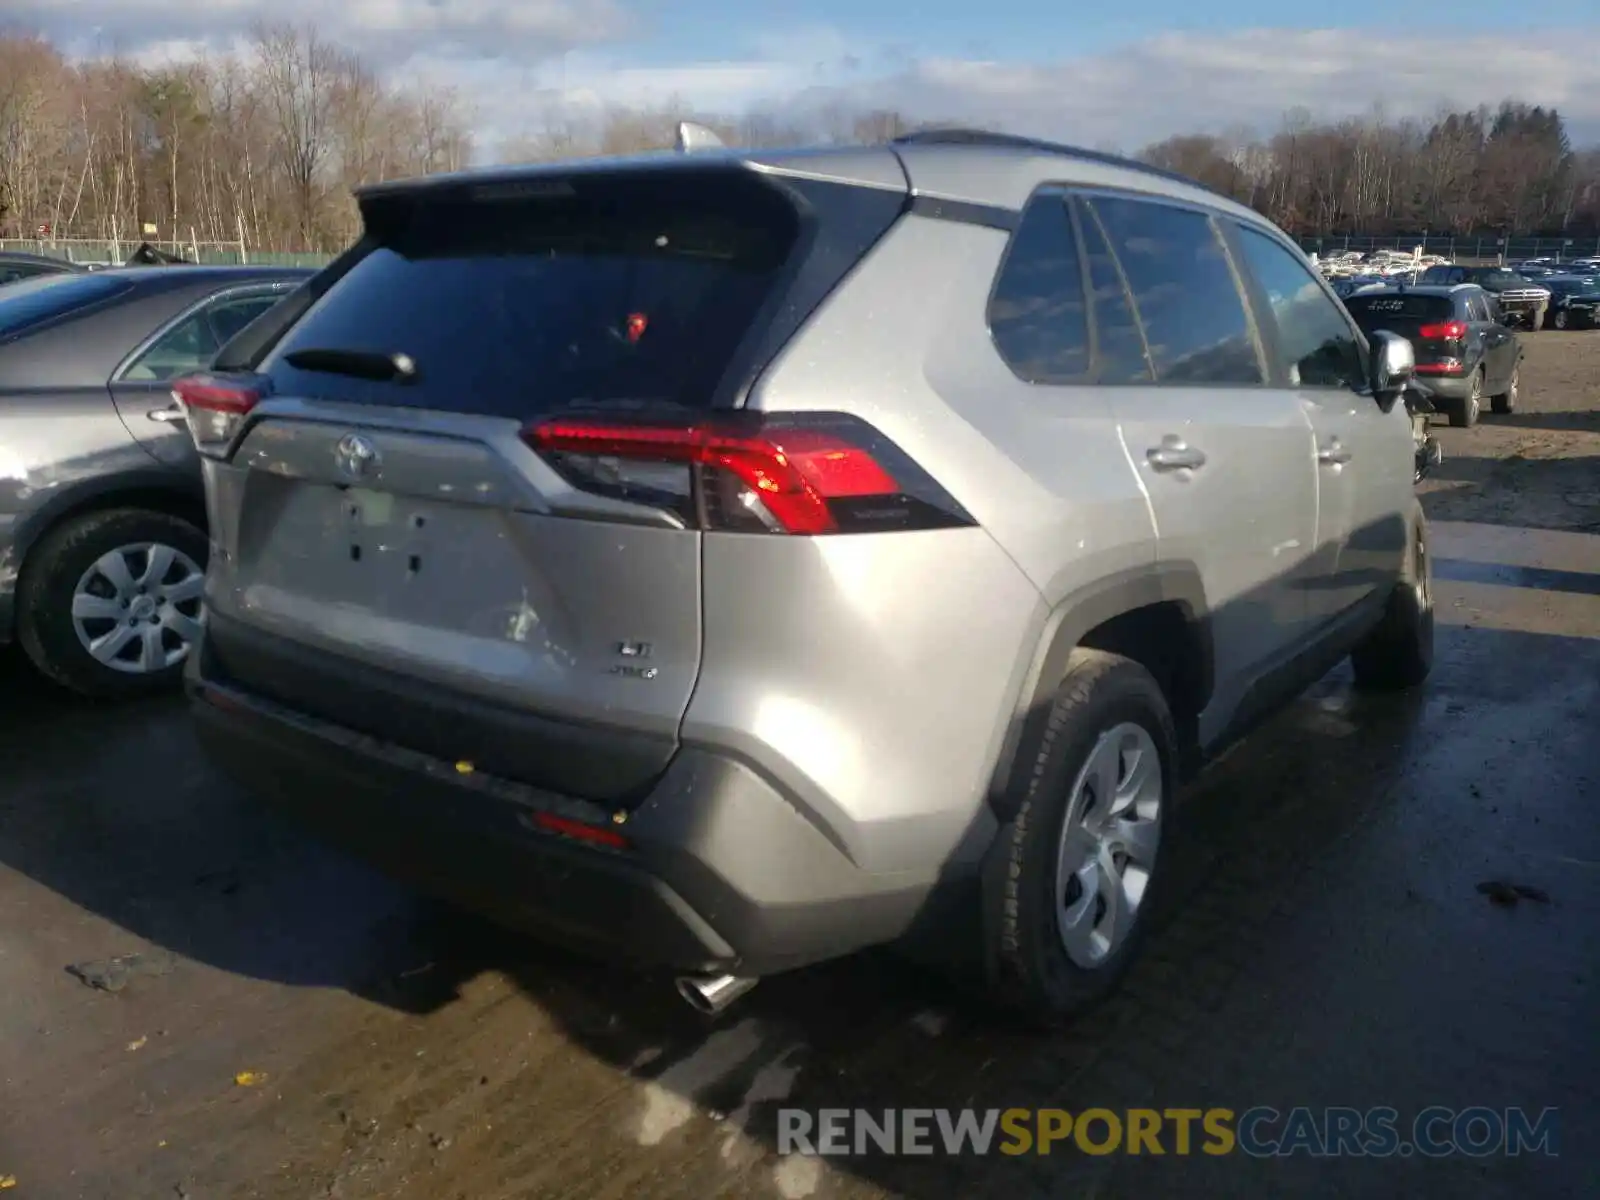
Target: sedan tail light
x: 215, y: 407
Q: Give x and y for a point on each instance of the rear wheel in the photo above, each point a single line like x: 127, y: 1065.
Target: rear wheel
x: 110, y: 602
x: 1085, y: 846
x: 1464, y: 412
x: 1398, y: 653
x: 1506, y: 401
x: 1559, y: 319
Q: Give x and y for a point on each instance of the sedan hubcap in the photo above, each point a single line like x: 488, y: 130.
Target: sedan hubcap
x: 1109, y: 841
x: 138, y: 608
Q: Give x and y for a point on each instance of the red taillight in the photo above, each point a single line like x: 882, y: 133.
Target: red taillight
x: 579, y: 831
x: 823, y: 473
x: 1449, y: 331
x: 215, y: 408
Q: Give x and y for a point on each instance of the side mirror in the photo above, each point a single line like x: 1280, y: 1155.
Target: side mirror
x: 1394, y: 364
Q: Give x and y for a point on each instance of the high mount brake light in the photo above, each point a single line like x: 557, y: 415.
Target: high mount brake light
x: 817, y: 474
x: 1450, y: 331
x: 215, y: 408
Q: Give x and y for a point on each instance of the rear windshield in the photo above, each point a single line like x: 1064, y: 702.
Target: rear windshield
x: 1375, y: 312
x: 34, y: 301
x: 619, y: 289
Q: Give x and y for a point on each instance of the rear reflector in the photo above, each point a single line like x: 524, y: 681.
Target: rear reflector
x: 579, y: 831
x: 215, y: 408
x: 797, y: 474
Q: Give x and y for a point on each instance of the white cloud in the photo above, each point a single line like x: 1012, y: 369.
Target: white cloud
x: 520, y: 60
x: 1179, y: 83
x: 1174, y: 83
x: 387, y: 31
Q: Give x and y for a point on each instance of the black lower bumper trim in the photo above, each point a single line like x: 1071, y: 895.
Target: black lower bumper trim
x: 719, y: 873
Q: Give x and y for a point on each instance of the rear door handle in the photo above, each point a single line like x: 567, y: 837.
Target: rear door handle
x: 1174, y: 454
x: 1333, y: 453
x: 173, y: 412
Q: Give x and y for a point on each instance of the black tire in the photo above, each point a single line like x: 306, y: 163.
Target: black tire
x: 50, y: 577
x: 1559, y: 319
x: 1506, y: 401
x: 1034, y: 979
x: 1464, y: 412
x: 1398, y: 654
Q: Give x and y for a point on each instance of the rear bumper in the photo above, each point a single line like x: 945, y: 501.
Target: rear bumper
x: 1448, y: 387
x: 721, y: 872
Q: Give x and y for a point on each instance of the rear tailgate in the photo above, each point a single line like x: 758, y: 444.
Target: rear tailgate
x: 1420, y: 319
x: 398, y: 560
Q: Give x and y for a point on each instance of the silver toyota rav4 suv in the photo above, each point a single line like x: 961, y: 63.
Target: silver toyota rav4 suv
x: 727, y: 561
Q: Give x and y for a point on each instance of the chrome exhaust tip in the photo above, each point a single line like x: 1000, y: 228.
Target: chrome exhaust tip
x: 711, y: 994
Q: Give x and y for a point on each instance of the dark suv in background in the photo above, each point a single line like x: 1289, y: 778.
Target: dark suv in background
x: 1463, y: 352
x: 1521, y: 301
x: 1574, y: 301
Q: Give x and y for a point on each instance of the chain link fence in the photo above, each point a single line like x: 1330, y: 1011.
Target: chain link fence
x: 115, y: 252
x: 1470, y: 249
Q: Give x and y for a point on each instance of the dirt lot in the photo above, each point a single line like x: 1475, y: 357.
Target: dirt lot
x: 300, y: 1028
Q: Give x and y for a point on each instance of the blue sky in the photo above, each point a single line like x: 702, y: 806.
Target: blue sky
x: 1023, y: 29
x: 1108, y: 75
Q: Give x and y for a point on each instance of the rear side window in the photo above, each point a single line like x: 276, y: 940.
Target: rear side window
x: 34, y: 301
x: 1037, y: 313
x: 619, y: 290
x: 1184, y: 291
x: 1120, y: 352
x: 1318, y: 347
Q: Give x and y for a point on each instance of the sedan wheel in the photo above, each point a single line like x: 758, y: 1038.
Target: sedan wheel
x: 111, y: 603
x: 137, y: 608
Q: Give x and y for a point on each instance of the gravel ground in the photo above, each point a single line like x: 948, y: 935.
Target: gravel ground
x: 297, y: 1027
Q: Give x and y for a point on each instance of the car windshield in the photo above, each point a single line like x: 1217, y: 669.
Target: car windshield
x: 1501, y: 279
x: 33, y: 301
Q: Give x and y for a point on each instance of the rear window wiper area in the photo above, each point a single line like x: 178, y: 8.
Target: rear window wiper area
x: 362, y: 364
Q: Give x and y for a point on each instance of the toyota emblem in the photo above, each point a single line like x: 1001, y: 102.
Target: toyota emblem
x: 357, y: 457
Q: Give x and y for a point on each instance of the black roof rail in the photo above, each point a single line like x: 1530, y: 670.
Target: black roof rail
x: 959, y: 136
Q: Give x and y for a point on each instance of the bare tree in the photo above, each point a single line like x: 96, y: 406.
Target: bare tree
x: 299, y: 77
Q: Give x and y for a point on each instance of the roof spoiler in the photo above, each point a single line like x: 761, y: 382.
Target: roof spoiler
x: 692, y: 137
